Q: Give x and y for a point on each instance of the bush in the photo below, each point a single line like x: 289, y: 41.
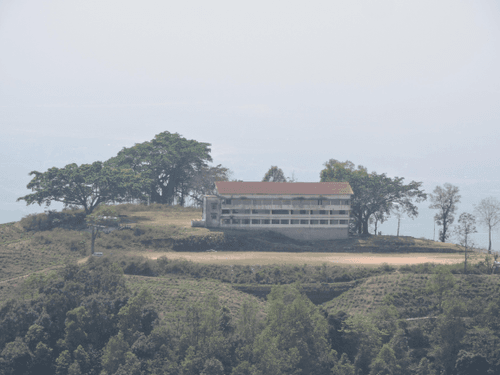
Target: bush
x: 68, y: 219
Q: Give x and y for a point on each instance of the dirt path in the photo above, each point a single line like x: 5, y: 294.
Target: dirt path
x: 309, y: 258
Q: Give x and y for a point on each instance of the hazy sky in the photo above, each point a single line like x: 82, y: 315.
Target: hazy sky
x: 410, y: 88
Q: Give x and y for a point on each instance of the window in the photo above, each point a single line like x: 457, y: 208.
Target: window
x: 236, y: 221
x: 347, y: 203
x: 323, y: 212
x: 236, y: 211
x: 334, y: 222
x: 341, y: 212
x: 343, y: 221
x: 303, y: 212
x: 265, y: 221
x: 284, y: 221
x: 314, y: 222
x: 213, y: 216
x: 286, y: 202
x: 304, y: 222
x: 245, y: 221
x: 226, y: 221
x: 274, y: 221
x: 255, y: 221
x: 293, y: 221
x: 226, y: 212
x: 280, y: 212
x: 323, y: 221
x: 214, y: 206
x: 261, y: 212
x: 335, y: 202
x: 262, y: 202
x: 227, y: 201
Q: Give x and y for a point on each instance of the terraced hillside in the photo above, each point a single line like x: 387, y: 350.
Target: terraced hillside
x: 410, y: 294
x: 172, y: 296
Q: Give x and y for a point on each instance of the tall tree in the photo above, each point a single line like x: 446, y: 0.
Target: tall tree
x: 168, y: 161
x: 488, y: 214
x: 87, y: 186
x: 445, y: 201
x: 399, y: 211
x: 373, y: 193
x: 274, y: 174
x: 466, y: 227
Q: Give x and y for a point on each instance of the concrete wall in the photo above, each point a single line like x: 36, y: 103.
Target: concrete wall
x: 313, y: 234
x: 306, y: 234
x: 211, y: 211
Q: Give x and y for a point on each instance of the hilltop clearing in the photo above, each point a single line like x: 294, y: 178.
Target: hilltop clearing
x: 44, y: 241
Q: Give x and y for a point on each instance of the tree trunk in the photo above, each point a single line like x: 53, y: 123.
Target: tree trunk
x: 365, y: 227
x: 399, y: 221
x: 465, y: 262
x: 489, y: 235
x: 92, y: 242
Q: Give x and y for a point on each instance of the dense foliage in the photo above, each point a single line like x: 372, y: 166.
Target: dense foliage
x: 86, y: 186
x: 83, y: 320
x: 374, y: 194
x: 169, y: 162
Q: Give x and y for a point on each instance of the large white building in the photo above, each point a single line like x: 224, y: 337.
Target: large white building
x: 300, y: 210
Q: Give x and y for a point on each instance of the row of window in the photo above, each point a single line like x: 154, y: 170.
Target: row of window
x: 286, y: 202
x: 283, y: 221
x: 284, y: 212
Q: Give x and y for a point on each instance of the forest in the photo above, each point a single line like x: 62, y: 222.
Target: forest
x: 84, y: 319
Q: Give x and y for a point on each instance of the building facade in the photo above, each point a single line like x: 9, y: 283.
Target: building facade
x: 300, y: 210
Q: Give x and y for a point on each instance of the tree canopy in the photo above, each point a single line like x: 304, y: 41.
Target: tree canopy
x: 445, y: 201
x: 87, y: 186
x: 373, y: 193
x: 488, y: 214
x: 168, y: 162
x: 203, y: 182
x: 274, y: 174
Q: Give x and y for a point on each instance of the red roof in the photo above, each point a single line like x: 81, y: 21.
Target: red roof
x: 282, y: 188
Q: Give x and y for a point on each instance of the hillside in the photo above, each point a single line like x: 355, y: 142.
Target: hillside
x: 172, y: 315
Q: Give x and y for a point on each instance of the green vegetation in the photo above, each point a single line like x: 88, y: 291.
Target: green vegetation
x: 124, y: 313
x: 86, y: 186
x: 375, y: 195
x: 168, y: 163
x: 188, y: 319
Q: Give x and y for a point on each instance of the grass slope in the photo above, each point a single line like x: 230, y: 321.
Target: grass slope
x: 23, y: 252
x: 174, y: 295
x: 409, y: 294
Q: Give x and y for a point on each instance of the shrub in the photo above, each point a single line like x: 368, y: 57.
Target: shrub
x: 68, y: 219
